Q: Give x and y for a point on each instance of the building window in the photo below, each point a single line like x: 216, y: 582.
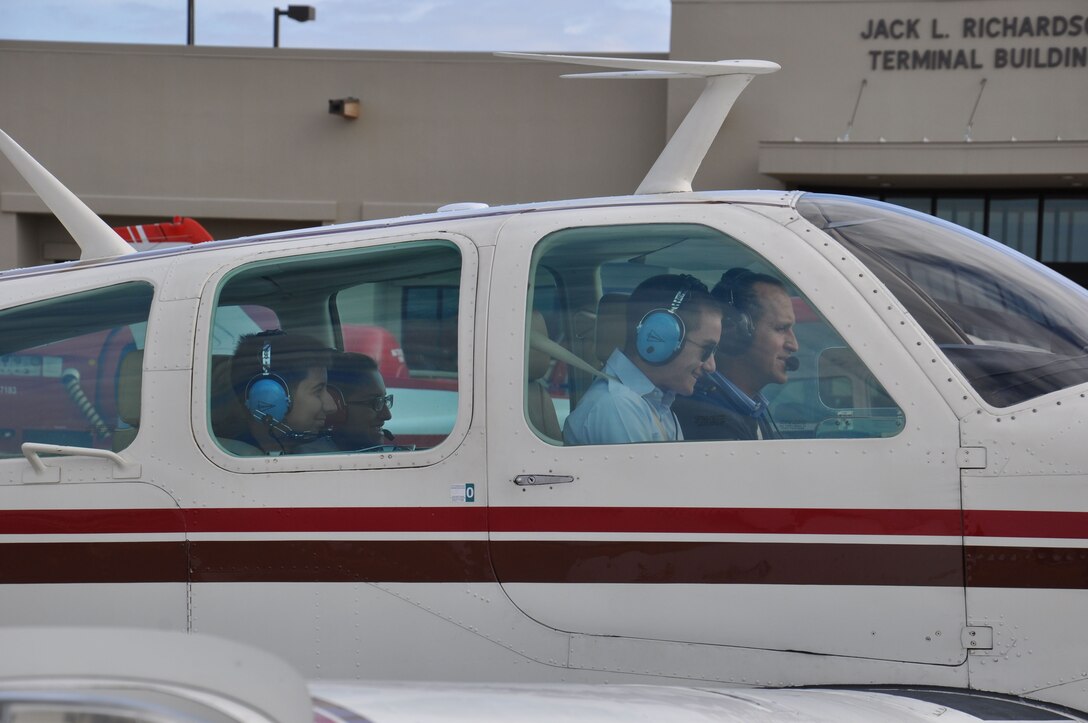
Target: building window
x: 1015, y: 222
x: 1049, y: 227
x: 1065, y: 230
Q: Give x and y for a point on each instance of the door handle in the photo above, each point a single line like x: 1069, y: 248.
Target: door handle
x: 525, y: 480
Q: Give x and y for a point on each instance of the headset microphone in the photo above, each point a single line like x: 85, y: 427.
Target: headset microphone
x: 792, y: 364
x: 387, y: 434
x: 284, y: 431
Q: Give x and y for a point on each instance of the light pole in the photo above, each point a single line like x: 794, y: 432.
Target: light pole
x: 301, y: 13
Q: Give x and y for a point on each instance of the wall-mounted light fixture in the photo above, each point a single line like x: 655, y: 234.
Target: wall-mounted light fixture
x: 301, y: 13
x: 345, y: 107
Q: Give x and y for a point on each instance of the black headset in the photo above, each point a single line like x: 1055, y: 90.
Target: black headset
x: 659, y: 336
x: 738, y: 329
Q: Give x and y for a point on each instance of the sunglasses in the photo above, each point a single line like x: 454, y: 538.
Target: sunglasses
x: 378, y: 402
x: 705, y: 350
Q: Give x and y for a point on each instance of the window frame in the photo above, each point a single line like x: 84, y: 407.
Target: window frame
x: 96, y: 385
x: 892, y: 418
x: 210, y: 296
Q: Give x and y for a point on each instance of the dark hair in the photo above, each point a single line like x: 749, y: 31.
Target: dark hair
x: 736, y: 290
x: 349, y: 369
x: 659, y: 292
x: 291, y: 358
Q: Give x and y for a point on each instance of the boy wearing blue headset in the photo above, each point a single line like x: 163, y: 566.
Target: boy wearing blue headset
x: 281, y: 379
x: 673, y: 329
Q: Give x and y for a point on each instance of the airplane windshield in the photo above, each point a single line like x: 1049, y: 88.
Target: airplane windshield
x: 1013, y: 327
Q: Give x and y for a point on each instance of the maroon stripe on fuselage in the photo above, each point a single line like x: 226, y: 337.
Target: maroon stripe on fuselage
x: 729, y: 563
x: 1021, y: 523
x: 244, y: 519
x: 630, y: 562
x: 679, y: 520
x: 341, y: 561
x: 90, y: 562
x: 1027, y: 567
x: 574, y: 560
x: 92, y: 522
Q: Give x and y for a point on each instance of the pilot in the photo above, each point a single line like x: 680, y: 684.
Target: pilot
x: 281, y: 381
x: 757, y: 348
x: 366, y: 404
x: 673, y: 329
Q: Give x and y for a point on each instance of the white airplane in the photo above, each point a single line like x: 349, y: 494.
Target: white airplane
x: 910, y: 507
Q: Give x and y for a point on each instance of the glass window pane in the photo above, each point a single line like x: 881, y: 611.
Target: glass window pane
x: 1065, y: 229
x: 967, y: 212
x: 71, y: 369
x: 1015, y: 222
x: 600, y: 301
x: 340, y: 352
x: 917, y: 203
x: 1014, y: 328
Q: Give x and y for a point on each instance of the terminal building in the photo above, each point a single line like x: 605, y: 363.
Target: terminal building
x: 973, y: 110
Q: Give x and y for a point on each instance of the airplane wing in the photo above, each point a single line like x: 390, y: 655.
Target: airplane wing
x: 128, y: 674
x: 526, y: 703
x: 95, y: 238
x: 678, y: 163
x: 660, y: 68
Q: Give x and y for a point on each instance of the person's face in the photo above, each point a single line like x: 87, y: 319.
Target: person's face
x: 695, y: 359
x: 310, y: 403
x: 764, y: 362
x: 363, y: 427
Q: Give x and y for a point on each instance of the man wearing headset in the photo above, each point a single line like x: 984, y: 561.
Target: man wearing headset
x: 757, y: 348
x: 673, y: 327
x: 360, y: 425
x: 281, y: 381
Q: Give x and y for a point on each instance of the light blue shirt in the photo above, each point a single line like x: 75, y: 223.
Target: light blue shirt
x: 626, y: 407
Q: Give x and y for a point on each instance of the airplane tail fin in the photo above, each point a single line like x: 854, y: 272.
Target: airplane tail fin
x: 96, y: 239
x: 680, y: 160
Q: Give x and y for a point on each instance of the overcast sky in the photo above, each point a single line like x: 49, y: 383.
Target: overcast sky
x: 480, y: 25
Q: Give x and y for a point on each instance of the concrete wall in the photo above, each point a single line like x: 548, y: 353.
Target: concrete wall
x: 242, y: 140
x: 825, y: 59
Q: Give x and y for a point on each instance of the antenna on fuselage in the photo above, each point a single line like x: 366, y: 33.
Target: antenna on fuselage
x: 680, y: 160
x: 95, y: 238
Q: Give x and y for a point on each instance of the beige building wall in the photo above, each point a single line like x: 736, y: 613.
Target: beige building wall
x: 242, y: 140
x: 798, y: 127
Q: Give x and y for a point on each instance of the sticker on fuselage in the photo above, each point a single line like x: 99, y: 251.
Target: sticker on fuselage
x: 463, y: 493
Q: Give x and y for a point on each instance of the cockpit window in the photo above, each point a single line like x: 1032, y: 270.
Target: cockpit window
x: 336, y: 353
x: 773, y: 369
x: 1015, y: 329
x: 71, y: 369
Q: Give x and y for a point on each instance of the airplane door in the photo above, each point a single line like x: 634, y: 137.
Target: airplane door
x: 838, y: 536
x: 79, y: 517
x: 334, y: 550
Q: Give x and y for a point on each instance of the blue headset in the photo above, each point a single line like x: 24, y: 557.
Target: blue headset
x: 268, y: 398
x: 659, y: 336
